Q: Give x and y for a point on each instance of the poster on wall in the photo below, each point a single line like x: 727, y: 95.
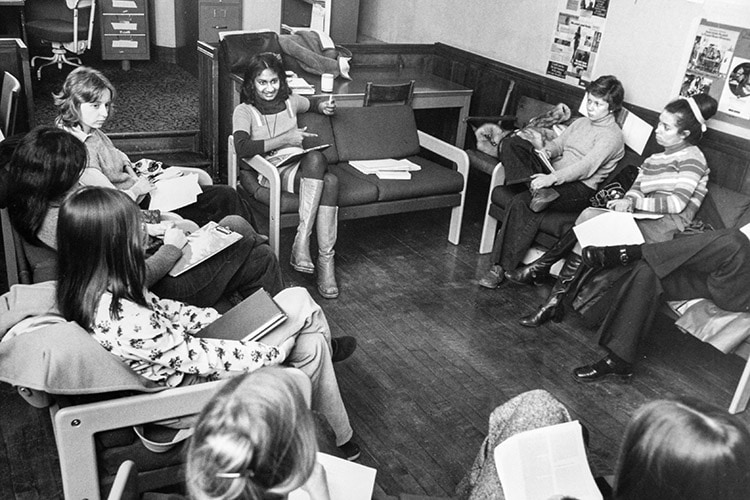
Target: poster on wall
x: 576, y: 40
x: 719, y: 66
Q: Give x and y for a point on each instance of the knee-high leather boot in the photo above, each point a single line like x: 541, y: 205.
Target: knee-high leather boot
x: 310, y: 191
x: 327, y: 229
x: 540, y: 267
x: 572, y: 273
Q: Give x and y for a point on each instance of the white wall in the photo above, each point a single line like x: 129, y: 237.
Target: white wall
x: 164, y: 22
x: 646, y: 42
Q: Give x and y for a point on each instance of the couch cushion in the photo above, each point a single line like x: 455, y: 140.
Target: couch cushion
x: 236, y: 50
x: 320, y: 125
x: 432, y: 179
x: 375, y: 132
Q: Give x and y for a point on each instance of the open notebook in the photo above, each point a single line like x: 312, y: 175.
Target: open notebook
x: 286, y: 156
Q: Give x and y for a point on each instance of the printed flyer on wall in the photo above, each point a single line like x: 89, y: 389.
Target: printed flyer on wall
x: 719, y: 65
x: 576, y: 40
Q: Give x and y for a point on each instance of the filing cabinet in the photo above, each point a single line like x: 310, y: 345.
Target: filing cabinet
x: 124, y: 30
x: 218, y: 15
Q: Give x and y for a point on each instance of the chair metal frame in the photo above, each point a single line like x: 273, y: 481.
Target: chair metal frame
x: 59, y: 51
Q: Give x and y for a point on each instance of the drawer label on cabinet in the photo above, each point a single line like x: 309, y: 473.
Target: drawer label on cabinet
x: 125, y: 44
x: 123, y: 4
x: 125, y: 26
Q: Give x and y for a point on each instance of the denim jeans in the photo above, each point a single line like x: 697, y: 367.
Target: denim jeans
x: 521, y: 224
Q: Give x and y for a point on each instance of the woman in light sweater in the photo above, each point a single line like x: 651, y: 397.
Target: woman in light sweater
x: 581, y: 158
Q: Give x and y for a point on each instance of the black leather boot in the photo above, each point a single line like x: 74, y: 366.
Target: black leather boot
x: 539, y: 269
x: 607, y: 257
x: 554, y: 309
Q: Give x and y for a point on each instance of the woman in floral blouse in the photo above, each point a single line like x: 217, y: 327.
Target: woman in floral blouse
x: 102, y: 289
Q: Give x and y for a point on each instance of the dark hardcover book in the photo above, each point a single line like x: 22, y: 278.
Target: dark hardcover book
x: 251, y: 319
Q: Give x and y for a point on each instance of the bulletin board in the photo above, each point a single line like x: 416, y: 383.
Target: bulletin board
x: 719, y: 65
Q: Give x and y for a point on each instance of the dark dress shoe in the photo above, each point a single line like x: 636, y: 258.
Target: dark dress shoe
x: 343, y: 347
x: 541, y: 199
x: 609, y: 366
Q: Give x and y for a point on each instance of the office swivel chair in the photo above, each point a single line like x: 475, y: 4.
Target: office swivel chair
x: 63, y: 26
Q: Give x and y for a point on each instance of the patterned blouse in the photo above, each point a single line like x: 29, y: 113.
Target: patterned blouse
x: 158, y: 342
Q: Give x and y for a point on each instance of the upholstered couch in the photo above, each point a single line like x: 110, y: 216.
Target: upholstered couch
x: 364, y: 134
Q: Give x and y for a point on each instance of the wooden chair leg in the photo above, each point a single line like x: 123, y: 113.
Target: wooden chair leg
x: 742, y: 393
x: 489, y: 227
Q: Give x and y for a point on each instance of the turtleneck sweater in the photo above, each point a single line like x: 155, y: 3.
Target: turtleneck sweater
x: 586, y: 151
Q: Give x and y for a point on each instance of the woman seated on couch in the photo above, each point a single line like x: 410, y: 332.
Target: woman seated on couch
x: 47, y: 165
x: 582, y: 157
x: 672, y: 183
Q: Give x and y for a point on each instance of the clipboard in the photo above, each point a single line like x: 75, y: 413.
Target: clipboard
x: 203, y: 244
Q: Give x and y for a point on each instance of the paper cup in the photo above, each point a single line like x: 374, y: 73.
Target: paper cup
x: 326, y: 82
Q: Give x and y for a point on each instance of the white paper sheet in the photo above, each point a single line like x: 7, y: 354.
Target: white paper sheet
x: 346, y: 480
x: 124, y: 4
x: 545, y: 462
x: 609, y: 229
x: 178, y: 192
x: 635, y: 131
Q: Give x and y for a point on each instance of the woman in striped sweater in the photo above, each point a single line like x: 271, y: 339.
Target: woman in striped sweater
x: 672, y: 183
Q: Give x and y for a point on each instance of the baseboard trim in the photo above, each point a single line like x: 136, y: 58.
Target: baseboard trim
x: 161, y: 142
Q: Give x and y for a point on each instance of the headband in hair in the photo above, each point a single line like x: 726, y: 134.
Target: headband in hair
x: 234, y: 475
x: 696, y: 112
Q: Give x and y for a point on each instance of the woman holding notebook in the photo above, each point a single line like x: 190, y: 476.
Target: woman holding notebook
x: 47, y: 165
x: 581, y: 158
x: 264, y: 123
x: 103, y: 289
x: 672, y: 450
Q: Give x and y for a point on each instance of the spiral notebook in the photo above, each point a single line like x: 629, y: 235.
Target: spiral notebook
x: 289, y: 155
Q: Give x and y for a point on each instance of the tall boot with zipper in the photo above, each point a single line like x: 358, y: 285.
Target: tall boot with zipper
x: 310, y: 191
x: 327, y: 227
x: 539, y: 269
x: 572, y: 273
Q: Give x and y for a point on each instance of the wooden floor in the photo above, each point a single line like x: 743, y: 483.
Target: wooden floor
x: 436, y: 354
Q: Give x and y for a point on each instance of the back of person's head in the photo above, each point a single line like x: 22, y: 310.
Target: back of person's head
x: 254, y: 440
x: 45, y: 166
x: 683, y: 450
x: 692, y: 113
x: 83, y: 85
x: 609, y: 88
x: 258, y: 63
x: 100, y: 248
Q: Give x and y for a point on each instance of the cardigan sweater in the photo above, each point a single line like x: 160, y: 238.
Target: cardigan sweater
x: 586, y: 151
x: 104, y: 158
x: 672, y: 182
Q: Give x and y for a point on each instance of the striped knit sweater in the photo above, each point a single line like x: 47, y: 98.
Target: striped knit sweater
x: 672, y: 182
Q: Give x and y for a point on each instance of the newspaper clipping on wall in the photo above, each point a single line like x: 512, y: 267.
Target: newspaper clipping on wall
x: 576, y: 40
x: 719, y: 65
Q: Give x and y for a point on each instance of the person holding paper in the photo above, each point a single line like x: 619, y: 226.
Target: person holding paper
x: 256, y: 438
x: 265, y: 122
x: 47, y: 165
x: 84, y: 105
x: 672, y: 183
x: 672, y: 449
x: 581, y: 158
x: 714, y: 265
x: 103, y: 290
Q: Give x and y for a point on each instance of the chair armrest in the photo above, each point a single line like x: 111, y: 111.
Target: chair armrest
x: 481, y: 120
x: 461, y: 160
x: 75, y: 428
